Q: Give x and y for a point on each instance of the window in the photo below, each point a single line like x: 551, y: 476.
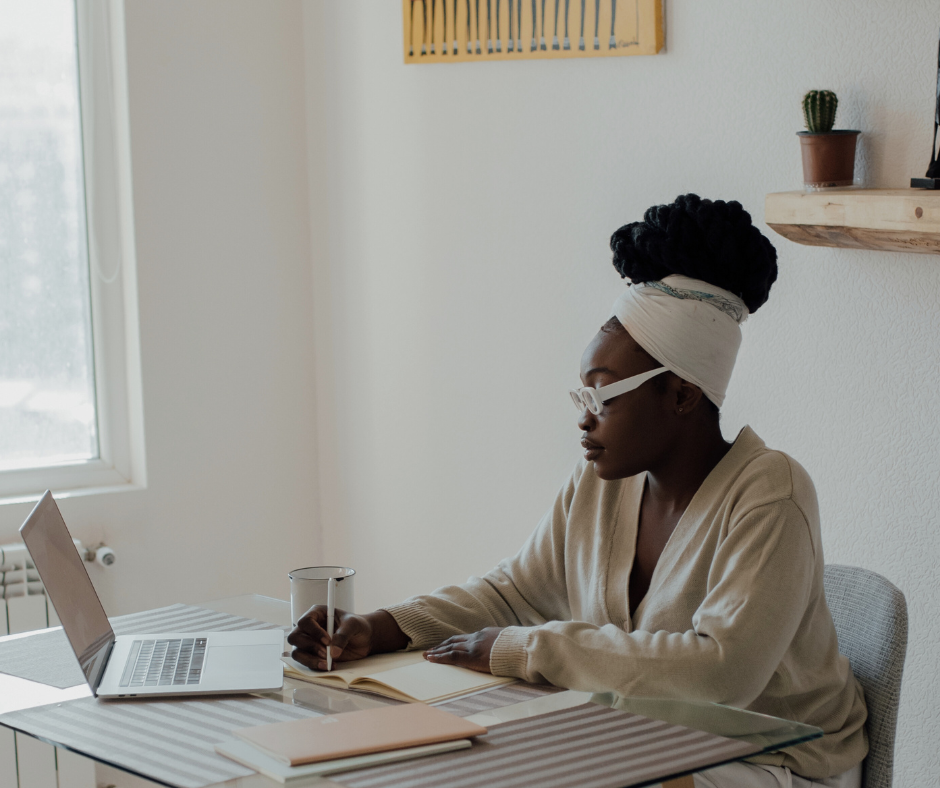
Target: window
x: 70, y: 405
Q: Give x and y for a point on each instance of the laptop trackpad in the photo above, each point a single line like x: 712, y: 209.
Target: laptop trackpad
x: 223, y: 661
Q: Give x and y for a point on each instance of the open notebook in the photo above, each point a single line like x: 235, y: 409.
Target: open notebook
x: 402, y: 675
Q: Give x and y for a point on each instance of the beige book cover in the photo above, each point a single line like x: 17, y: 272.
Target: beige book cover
x: 402, y: 675
x: 247, y: 755
x: 357, y: 732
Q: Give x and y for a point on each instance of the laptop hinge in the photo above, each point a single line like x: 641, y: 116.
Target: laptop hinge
x: 104, y: 669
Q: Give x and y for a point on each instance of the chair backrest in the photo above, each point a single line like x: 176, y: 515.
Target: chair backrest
x: 870, y: 615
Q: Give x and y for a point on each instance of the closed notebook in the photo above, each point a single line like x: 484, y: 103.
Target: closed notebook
x: 247, y: 755
x: 357, y: 732
x: 403, y: 675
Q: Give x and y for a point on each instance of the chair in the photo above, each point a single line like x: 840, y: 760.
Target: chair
x: 870, y: 615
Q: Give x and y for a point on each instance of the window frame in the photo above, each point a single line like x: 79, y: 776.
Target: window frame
x: 103, y: 102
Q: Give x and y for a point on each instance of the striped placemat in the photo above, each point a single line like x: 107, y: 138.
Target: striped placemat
x: 48, y: 658
x: 168, y: 741
x: 497, y: 698
x: 588, y: 746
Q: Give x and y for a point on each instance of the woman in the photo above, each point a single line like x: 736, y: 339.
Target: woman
x: 673, y: 563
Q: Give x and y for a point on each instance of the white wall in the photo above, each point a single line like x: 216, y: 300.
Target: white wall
x: 461, y: 216
x: 457, y: 219
x: 226, y: 293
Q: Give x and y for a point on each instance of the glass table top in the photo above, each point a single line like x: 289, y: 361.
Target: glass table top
x: 760, y: 730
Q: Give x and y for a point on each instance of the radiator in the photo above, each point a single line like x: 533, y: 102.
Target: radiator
x: 26, y: 762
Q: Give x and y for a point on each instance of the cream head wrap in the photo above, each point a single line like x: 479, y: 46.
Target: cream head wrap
x: 689, y: 326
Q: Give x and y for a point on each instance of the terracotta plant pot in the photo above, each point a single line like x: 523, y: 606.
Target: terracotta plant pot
x: 828, y: 158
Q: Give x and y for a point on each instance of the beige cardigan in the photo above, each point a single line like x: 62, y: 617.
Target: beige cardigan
x: 735, y: 612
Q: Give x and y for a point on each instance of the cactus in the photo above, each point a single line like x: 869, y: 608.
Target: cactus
x: 819, y: 110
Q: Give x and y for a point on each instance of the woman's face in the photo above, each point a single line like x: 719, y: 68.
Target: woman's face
x: 633, y: 431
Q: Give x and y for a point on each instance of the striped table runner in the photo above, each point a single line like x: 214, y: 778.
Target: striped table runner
x: 48, y: 658
x: 587, y: 746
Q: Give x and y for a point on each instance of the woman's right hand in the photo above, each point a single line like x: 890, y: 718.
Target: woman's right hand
x: 354, y: 636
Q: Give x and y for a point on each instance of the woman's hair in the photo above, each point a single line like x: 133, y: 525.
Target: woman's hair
x: 712, y: 240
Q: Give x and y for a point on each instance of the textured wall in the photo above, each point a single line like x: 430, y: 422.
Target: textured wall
x: 461, y: 216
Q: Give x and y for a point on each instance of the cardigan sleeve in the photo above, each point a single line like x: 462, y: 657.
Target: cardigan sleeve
x: 758, y: 591
x: 526, y: 590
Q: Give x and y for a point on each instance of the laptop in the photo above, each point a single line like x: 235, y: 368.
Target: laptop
x: 130, y: 666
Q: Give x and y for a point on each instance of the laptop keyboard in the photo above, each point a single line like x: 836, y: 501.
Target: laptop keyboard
x: 162, y: 663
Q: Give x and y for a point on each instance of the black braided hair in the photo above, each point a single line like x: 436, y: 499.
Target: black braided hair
x: 712, y: 240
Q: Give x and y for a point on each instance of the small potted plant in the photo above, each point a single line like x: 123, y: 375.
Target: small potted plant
x: 828, y: 155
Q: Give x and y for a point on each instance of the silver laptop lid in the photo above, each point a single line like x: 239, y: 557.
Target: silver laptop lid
x: 69, y: 588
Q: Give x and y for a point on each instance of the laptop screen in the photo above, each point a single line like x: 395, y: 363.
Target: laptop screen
x: 68, y: 587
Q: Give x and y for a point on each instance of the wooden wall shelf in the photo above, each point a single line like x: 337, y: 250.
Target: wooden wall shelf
x: 891, y: 220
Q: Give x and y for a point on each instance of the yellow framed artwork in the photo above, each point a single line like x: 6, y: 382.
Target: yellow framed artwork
x: 455, y: 31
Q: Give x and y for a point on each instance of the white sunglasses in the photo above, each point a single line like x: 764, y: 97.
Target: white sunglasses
x: 594, y: 399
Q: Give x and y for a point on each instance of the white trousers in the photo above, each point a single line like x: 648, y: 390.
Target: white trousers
x: 750, y: 775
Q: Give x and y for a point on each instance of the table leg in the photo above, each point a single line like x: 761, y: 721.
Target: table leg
x: 680, y: 782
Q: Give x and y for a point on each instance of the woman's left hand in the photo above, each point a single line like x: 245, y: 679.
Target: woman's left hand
x: 466, y: 651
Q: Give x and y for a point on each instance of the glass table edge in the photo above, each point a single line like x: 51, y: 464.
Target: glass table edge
x: 772, y: 735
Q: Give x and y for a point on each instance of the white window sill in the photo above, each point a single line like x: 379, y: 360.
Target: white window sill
x: 92, y: 477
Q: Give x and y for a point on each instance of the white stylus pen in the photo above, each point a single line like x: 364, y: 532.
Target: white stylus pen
x: 330, y: 616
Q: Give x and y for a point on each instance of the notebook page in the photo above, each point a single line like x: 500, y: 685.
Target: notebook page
x: 348, y: 671
x: 428, y: 682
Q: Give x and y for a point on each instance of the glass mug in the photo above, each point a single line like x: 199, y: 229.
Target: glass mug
x: 308, y: 587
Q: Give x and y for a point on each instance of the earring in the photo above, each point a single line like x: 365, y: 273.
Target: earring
x: 680, y: 410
